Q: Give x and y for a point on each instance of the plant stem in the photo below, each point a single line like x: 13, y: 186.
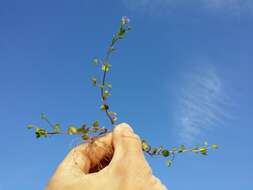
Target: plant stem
x: 103, y: 82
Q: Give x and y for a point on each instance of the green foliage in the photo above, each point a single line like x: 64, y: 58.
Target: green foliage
x: 203, y: 150
x: 106, y: 67
x: 72, y: 130
x: 108, y: 85
x: 111, y: 49
x: 30, y: 126
x: 104, y: 107
x: 57, y: 127
x: 95, y: 124
x: 39, y: 132
x: 107, y: 93
x: 169, y: 163
x: 87, y: 133
x: 195, y: 150
x: 102, y: 87
x: 181, y: 149
x: 215, y: 146
x: 94, y: 81
x: 113, y: 115
x: 145, y: 146
x: 84, y: 129
x: 95, y: 61
x: 43, y: 116
x: 85, y: 136
x: 165, y: 153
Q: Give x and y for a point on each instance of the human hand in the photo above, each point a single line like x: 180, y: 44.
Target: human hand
x: 127, y: 169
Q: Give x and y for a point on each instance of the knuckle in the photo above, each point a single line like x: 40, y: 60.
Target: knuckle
x: 157, y: 184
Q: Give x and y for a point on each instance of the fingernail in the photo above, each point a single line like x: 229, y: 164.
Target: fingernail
x: 124, y: 129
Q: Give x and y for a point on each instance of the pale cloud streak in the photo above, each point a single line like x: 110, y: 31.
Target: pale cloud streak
x: 202, y: 103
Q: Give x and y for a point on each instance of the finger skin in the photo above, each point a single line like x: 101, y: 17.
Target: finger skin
x: 128, y: 169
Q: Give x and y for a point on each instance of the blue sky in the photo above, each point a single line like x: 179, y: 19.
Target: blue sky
x: 183, y: 75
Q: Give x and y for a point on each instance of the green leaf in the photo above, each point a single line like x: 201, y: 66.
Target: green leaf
x: 214, y: 146
x: 95, y: 124
x: 104, y: 107
x: 145, y: 146
x: 195, y: 150
x: 113, y: 115
x: 114, y: 40
x: 181, y: 148
x: 115, y: 118
x: 111, y: 49
x: 165, y: 153
x: 95, y: 61
x: 85, y: 136
x: 109, y: 85
x: 107, y: 93
x: 30, y: 126
x: 39, y: 132
x: 174, y: 149
x: 153, y: 151
x: 72, y: 130
x: 106, y: 67
x: 169, y: 163
x: 121, y: 32
x: 160, y: 149
x: 203, y: 150
x: 43, y: 116
x: 83, y: 129
x: 94, y: 81
x: 57, y: 127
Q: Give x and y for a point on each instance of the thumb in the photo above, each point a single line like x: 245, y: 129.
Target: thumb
x: 127, y: 147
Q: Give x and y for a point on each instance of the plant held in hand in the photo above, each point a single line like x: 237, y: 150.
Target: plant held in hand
x: 91, y: 132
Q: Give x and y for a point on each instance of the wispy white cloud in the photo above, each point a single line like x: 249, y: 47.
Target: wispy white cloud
x: 202, y: 103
